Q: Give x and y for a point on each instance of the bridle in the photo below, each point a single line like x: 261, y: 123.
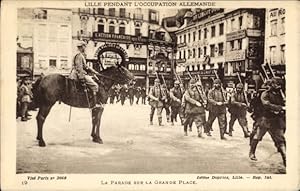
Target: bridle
x: 112, y: 79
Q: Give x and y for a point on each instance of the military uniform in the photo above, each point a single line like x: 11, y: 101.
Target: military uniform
x: 144, y: 95
x: 176, y: 97
x: 238, y: 111
x: 272, y: 120
x: 216, y: 110
x: 166, y: 102
x: 25, y: 97
x: 80, y: 71
x: 131, y: 93
x: 194, y: 108
x: 123, y: 94
x: 156, y: 102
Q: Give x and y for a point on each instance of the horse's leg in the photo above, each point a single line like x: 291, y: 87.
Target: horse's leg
x: 94, y: 121
x: 41, y: 116
x: 98, y: 139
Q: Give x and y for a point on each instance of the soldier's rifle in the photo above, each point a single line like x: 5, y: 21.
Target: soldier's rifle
x: 222, y: 89
x: 273, y: 75
x: 244, y: 91
x: 164, y: 96
x: 203, y: 100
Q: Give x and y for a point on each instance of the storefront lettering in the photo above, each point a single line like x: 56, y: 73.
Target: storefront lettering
x: 235, y: 55
x: 236, y: 35
x: 119, y: 37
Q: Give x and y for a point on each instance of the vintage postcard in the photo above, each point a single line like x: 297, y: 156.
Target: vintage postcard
x: 149, y: 95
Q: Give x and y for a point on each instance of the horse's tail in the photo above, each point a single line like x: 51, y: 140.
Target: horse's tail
x: 36, y: 91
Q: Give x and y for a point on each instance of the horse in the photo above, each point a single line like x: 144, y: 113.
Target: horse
x: 55, y: 87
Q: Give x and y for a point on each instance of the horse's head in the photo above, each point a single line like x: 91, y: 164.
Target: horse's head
x: 119, y: 73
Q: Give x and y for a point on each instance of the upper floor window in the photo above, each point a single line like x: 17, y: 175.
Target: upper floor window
x: 212, y: 50
x: 221, y: 49
x: 137, y: 31
x: 221, y: 29
x: 240, y: 22
x: 213, y: 31
x: 100, y: 11
x: 122, y: 12
x: 111, y: 27
x: 232, y: 27
x: 111, y: 11
x: 194, y: 36
x: 189, y: 37
x: 122, y: 28
x: 199, y: 34
x: 274, y: 28
x: 283, y: 25
x: 205, y: 33
x: 184, y: 38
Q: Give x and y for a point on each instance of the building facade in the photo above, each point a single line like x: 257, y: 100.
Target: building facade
x: 275, y: 40
x: 221, y: 41
x: 47, y: 32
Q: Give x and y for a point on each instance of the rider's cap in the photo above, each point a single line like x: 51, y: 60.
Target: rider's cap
x: 217, y: 81
x: 81, y: 43
x: 239, y: 85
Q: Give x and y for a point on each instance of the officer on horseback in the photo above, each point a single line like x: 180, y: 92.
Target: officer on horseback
x: 80, y: 71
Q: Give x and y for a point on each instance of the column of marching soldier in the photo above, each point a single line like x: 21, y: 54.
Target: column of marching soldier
x: 267, y: 108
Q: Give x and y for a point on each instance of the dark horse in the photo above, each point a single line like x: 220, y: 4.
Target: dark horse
x: 56, y: 87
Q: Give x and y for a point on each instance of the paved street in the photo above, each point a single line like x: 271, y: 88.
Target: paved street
x: 132, y: 146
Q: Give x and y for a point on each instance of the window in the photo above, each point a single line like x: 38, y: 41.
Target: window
x: 100, y: 27
x: 64, y: 64
x: 100, y: 11
x: 199, y: 52
x: 136, y: 67
x: 137, y: 31
x: 204, y: 50
x: 122, y: 12
x: 240, y: 22
x: 198, y: 67
x: 205, y: 33
x: 240, y: 44
x: 122, y: 28
x: 282, y: 54
x: 111, y: 11
x: 221, y: 31
x: 180, y: 39
x: 204, y: 66
x: 131, y: 66
x: 212, y: 50
x: 184, y: 38
x: 194, y: 53
x: 194, y: 36
x: 199, y: 34
x: 273, y: 54
x: 189, y: 37
x: 221, y: 49
x: 231, y: 45
x: 111, y: 27
x: 274, y: 28
x: 184, y: 54
x: 189, y: 54
x: 232, y: 25
x: 52, y: 63
x: 142, y: 67
x: 179, y: 54
x: 213, y: 31
x: 283, y: 25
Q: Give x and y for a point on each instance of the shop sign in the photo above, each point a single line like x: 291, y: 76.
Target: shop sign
x: 206, y: 13
x: 235, y: 55
x: 98, y: 36
x: 236, y: 35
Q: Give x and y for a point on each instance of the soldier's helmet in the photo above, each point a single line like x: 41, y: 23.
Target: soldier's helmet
x: 157, y: 80
x: 217, y: 81
x: 240, y: 85
x: 81, y: 44
x: 176, y: 82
